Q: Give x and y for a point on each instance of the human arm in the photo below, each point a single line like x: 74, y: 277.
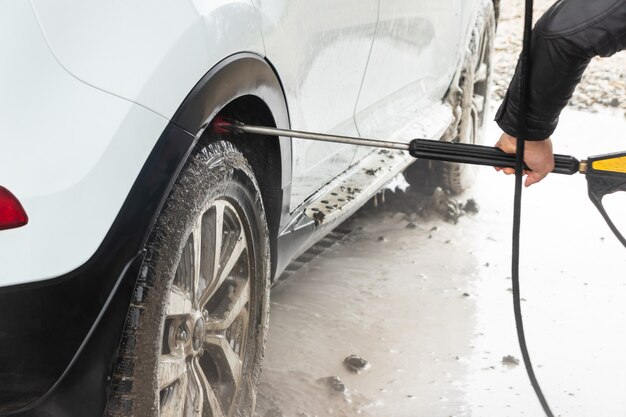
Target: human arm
x: 564, y: 41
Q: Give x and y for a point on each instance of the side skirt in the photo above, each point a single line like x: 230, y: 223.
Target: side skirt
x: 343, y: 196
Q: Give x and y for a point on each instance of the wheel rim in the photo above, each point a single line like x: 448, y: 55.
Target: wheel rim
x: 207, y: 319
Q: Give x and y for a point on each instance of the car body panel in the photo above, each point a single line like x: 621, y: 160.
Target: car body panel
x: 320, y: 49
x: 101, y: 126
x: 413, y: 59
x: 151, y: 52
x: 70, y: 153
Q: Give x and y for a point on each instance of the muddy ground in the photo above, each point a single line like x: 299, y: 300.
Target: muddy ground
x: 428, y: 304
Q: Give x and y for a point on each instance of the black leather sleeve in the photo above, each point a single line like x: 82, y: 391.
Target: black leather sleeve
x: 564, y: 41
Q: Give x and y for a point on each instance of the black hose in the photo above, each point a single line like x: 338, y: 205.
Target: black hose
x: 517, y: 210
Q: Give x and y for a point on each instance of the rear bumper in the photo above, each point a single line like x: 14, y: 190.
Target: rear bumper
x: 59, y: 338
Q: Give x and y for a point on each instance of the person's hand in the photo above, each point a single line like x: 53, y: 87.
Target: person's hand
x: 537, y: 155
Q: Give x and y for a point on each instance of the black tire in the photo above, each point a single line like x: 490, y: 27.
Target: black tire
x: 473, y: 86
x: 185, y: 329
x: 422, y: 176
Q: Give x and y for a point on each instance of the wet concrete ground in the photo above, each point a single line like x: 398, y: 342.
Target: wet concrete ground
x: 429, y: 307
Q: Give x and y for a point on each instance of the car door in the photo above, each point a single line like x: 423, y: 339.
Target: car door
x: 414, y: 57
x: 320, y: 50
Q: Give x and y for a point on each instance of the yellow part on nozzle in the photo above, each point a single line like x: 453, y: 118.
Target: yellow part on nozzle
x: 611, y: 165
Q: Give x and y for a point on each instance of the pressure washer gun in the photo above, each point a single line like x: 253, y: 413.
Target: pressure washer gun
x: 606, y: 174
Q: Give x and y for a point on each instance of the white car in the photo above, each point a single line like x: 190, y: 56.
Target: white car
x: 137, y: 242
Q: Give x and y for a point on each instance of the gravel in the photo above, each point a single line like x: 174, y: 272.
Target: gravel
x: 602, y: 86
x: 334, y: 383
x: 510, y: 360
x: 355, y: 363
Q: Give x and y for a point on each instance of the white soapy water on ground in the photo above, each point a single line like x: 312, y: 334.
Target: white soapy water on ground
x: 431, y: 310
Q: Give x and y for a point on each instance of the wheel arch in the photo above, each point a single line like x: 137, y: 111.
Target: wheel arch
x: 246, y: 87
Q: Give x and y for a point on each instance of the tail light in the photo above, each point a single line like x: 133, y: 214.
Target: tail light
x: 12, y: 213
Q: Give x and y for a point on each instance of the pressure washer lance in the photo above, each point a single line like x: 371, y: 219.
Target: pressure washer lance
x: 606, y: 174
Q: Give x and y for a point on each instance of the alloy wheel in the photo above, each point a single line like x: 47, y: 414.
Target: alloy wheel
x: 207, y: 321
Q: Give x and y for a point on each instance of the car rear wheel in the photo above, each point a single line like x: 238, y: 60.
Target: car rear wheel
x: 196, y: 330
